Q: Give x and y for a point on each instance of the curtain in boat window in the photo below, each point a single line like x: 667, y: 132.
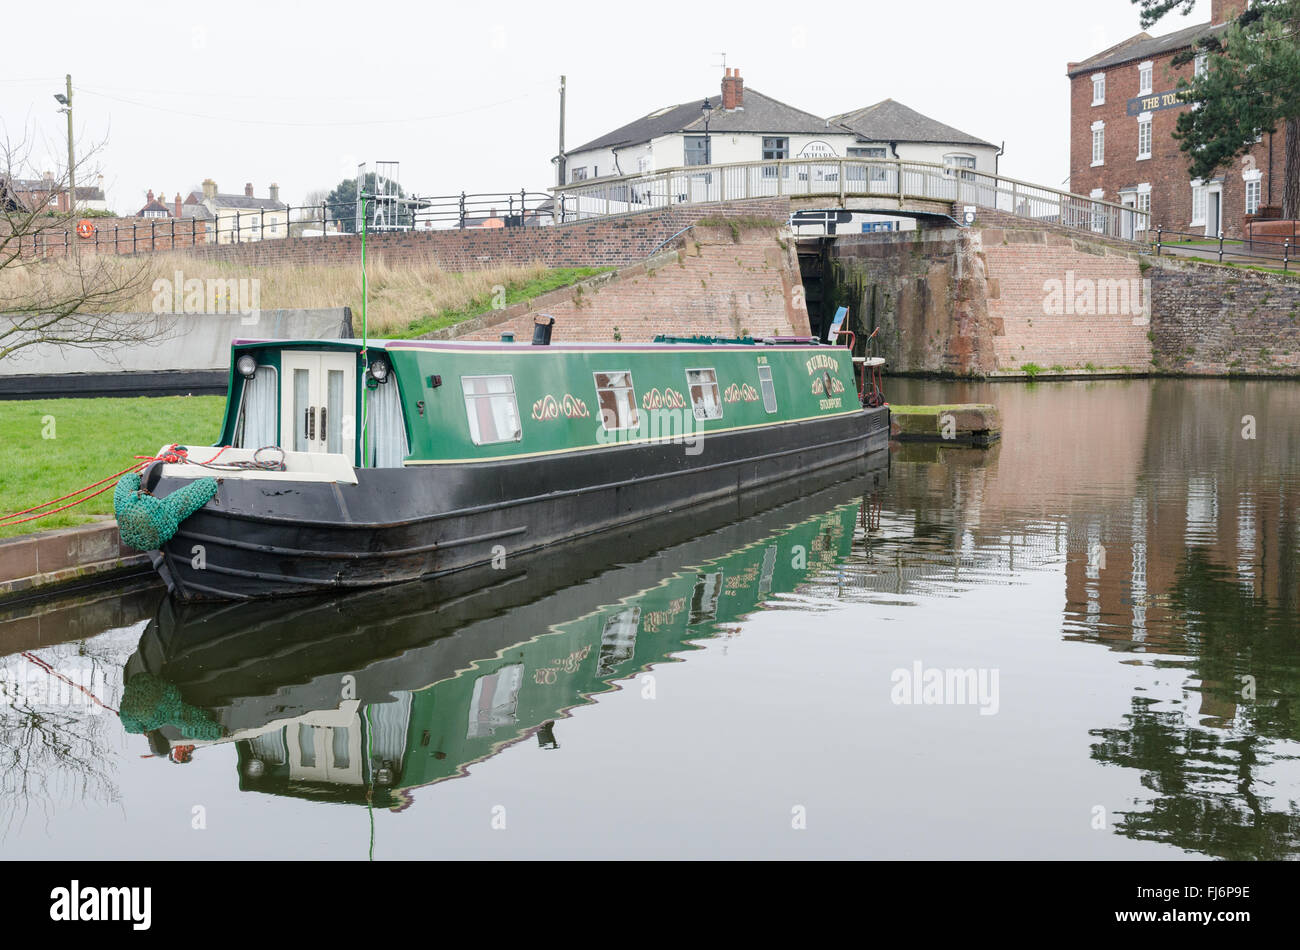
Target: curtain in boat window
x: 491, y: 408
x: 388, y: 447
x: 258, y: 411
x: 389, y: 723
x: 703, y: 384
x: 617, y: 399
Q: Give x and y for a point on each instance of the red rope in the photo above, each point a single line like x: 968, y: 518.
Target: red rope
x: 174, y: 453
x: 53, y: 672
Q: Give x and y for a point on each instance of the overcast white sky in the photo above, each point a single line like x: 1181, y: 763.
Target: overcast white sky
x: 465, y: 95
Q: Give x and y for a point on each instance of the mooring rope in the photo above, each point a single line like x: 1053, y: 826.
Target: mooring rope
x: 174, y: 454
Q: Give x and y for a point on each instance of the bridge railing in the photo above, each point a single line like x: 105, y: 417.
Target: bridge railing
x: 895, y: 182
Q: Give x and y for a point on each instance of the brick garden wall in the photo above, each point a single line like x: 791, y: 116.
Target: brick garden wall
x: 116, y: 236
x: 1210, y: 320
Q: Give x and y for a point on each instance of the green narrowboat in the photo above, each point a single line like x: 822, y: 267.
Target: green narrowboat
x: 432, y: 687
x: 347, y: 465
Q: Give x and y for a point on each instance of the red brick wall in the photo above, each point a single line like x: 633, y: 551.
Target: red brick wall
x: 714, y: 286
x: 116, y: 236
x: 604, y: 242
x: 1029, y: 274
x: 1166, y: 170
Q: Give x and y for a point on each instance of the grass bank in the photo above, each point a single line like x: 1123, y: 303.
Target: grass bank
x: 403, y: 301
x: 55, y: 446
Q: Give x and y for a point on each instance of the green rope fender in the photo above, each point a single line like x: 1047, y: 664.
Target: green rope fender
x: 149, y: 703
x: 146, y: 522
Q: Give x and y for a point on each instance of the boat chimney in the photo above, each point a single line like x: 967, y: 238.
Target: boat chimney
x: 543, y: 323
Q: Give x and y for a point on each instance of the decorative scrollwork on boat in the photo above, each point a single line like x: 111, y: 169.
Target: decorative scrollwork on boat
x: 668, y: 399
x: 568, y: 405
x: 546, y: 408
x: 819, y: 386
x: 740, y: 393
x: 573, y: 407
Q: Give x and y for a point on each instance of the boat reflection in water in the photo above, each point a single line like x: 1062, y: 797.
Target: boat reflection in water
x: 361, y: 698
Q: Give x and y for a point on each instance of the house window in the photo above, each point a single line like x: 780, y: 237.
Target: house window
x: 1144, y: 136
x: 1201, y: 65
x: 578, y: 174
x: 1144, y: 79
x: 966, y: 162
x: 703, y: 386
x: 775, y: 149
x: 617, y: 400
x: 697, y: 149
x: 1253, y: 192
x: 1200, y: 203
x: 766, y: 385
x: 871, y: 172
x: 1143, y: 205
x: 1099, y: 89
x: 491, y: 408
x: 1098, y: 143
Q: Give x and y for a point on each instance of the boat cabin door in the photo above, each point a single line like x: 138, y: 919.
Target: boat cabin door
x: 318, y: 399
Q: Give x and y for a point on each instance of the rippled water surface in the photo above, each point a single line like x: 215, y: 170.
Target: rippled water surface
x: 1080, y: 643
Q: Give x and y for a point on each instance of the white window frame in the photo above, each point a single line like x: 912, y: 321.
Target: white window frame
x: 1144, y: 124
x: 717, y: 392
x: 630, y: 387
x: 767, y: 387
x: 1146, y: 76
x: 1200, y: 65
x: 470, y: 398
x: 1142, y: 203
x: 1098, y: 143
x: 1253, y: 179
x: 1098, y: 85
x: 1200, y: 202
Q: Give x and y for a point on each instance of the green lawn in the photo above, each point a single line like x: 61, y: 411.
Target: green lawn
x: 515, y: 293
x: 49, y: 447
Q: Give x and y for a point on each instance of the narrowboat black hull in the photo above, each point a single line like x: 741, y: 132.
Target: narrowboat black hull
x: 259, y: 538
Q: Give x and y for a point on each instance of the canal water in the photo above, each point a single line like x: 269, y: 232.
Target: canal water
x: 1082, y: 642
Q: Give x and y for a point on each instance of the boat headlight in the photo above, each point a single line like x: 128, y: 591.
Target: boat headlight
x: 246, y: 365
x: 255, y: 768
x: 379, y: 370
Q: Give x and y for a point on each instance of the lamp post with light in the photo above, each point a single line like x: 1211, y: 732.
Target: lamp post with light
x: 65, y: 100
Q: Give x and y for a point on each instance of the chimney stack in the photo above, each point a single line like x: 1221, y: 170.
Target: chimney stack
x: 275, y: 192
x: 209, y: 189
x: 148, y: 198
x: 733, y: 90
x: 178, y: 204
x: 248, y: 190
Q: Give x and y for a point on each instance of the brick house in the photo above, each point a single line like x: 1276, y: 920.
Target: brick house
x: 1122, y: 119
x: 238, y: 219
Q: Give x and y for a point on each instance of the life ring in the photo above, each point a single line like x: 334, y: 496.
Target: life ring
x: 85, y: 228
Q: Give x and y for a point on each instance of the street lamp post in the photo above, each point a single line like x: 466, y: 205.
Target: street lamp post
x: 65, y: 100
x: 707, y: 111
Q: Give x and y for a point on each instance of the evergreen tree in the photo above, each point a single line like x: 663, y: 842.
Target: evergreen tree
x: 1250, y: 88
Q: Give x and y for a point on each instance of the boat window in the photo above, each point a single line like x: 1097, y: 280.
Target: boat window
x: 617, y: 400
x: 304, y: 433
x: 387, y: 431
x: 333, y: 423
x: 492, y: 410
x: 255, y: 426
x: 703, y: 384
x: 769, y: 390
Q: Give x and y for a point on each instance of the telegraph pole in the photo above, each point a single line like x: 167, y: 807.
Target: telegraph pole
x: 560, y: 164
x: 72, y: 165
